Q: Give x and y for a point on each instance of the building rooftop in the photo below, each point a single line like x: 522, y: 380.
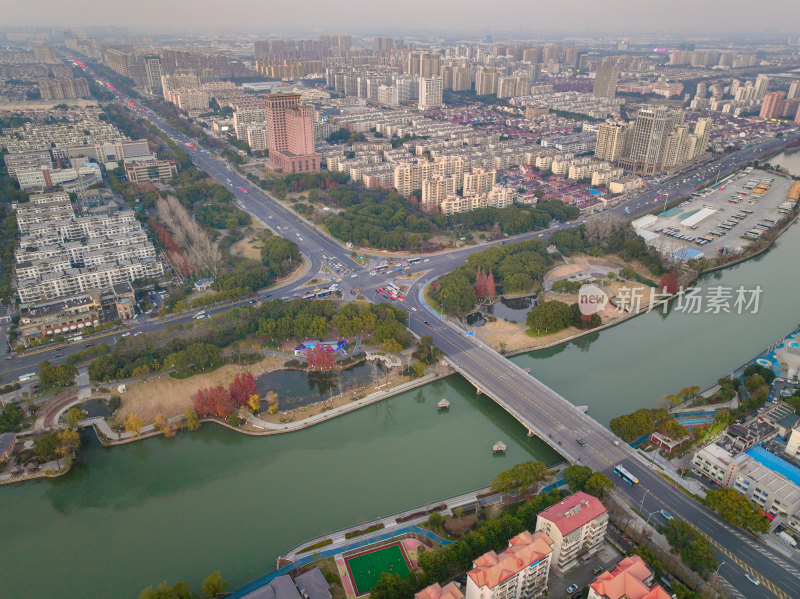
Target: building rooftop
x: 573, y: 512
x: 435, y: 591
x: 628, y: 581
x: 525, y: 549
x: 312, y: 585
x: 775, y: 463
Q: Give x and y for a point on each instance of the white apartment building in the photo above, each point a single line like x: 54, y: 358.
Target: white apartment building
x: 61, y: 254
x: 430, y: 91
x: 256, y: 136
x: 577, y: 525
x: 520, y: 572
x: 479, y: 181
x: 436, y: 190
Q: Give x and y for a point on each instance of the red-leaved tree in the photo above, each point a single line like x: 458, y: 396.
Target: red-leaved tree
x: 669, y: 282
x: 202, y: 403
x: 491, y: 289
x: 480, y: 284
x: 215, y: 401
x: 317, y: 357
x: 242, y: 387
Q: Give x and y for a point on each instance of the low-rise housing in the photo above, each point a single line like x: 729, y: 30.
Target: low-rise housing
x: 630, y: 579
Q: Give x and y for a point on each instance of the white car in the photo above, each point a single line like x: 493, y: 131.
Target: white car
x: 413, y: 309
x: 752, y: 579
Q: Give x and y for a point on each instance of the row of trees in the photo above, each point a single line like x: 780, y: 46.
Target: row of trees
x: 221, y: 402
x: 514, y: 269
x: 212, y: 586
x: 516, y: 219
x: 198, y: 347
x: 695, y: 550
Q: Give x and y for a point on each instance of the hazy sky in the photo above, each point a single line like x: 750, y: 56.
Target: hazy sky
x: 408, y: 16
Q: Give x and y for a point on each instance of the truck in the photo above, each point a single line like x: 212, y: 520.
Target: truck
x: 787, y: 539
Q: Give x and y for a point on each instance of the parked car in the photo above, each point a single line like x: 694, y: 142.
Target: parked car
x: 596, y: 570
x: 572, y: 588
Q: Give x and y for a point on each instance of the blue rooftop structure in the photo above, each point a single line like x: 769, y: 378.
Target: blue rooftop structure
x: 773, y: 462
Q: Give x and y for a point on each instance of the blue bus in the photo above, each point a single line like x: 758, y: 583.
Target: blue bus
x: 625, y: 475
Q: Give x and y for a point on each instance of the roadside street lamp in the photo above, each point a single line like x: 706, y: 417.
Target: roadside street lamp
x: 713, y: 578
x: 641, y: 505
x: 650, y: 515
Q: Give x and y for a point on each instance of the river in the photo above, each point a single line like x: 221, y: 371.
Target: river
x: 790, y: 161
x: 180, y: 508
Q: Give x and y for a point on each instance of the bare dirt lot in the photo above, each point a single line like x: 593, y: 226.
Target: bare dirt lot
x: 174, y: 396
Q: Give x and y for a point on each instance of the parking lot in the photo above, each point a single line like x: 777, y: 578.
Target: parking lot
x: 724, y: 219
x: 584, y: 573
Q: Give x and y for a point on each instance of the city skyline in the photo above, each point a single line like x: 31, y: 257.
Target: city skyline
x: 419, y: 16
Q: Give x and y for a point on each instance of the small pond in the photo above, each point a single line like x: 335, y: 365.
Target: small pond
x: 298, y: 388
x: 95, y: 408
x: 515, y: 310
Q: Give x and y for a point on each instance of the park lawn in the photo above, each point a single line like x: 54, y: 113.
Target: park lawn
x: 163, y: 393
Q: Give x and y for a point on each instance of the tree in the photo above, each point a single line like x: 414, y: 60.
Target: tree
x: 73, y: 416
x: 736, y: 509
x: 549, y: 317
x: 521, y: 476
x: 69, y: 441
x: 669, y: 282
x: 427, y: 352
x: 695, y: 549
x: 192, y: 420
x: 254, y: 403
x: 10, y: 418
x: 134, y: 423
x: 628, y: 273
x: 242, y: 387
x: 576, y: 477
x: 392, y: 346
x: 598, y: 484
x: 46, y: 447
x: 213, y: 585
x: 163, y: 591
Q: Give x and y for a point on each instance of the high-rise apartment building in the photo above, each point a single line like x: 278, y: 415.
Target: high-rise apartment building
x: 384, y: 45
x: 430, y: 91
x: 605, y: 81
x: 761, y: 86
x: 430, y: 64
x: 290, y: 133
x: 772, y: 105
x: 436, y: 190
x: 486, y: 81
x: 610, y: 137
x: 153, y: 74
x: 794, y: 90
x: 647, y: 141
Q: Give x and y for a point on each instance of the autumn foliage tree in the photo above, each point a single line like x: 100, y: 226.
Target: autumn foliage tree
x: 242, y: 387
x: 669, y: 282
x: 321, y: 358
x: 214, y: 401
x: 484, y: 284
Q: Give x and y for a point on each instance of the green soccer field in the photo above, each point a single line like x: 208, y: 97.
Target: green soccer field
x: 366, y: 568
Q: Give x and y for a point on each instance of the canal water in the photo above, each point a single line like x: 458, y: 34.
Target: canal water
x: 177, y: 509
x: 788, y: 160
